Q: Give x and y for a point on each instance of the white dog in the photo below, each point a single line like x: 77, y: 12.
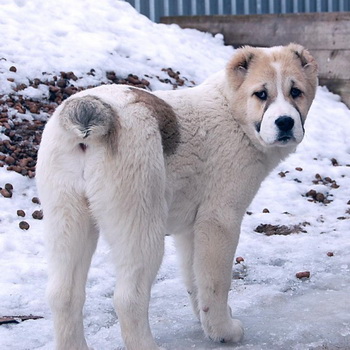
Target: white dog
x: 136, y: 165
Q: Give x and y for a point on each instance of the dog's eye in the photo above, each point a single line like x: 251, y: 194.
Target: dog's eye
x: 261, y: 95
x: 295, y: 93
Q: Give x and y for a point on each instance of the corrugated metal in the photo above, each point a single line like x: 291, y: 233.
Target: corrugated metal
x: 154, y: 9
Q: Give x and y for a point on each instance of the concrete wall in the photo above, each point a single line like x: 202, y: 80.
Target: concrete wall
x: 326, y: 35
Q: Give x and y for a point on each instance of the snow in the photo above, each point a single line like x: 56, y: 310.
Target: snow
x: 278, y: 310
x: 53, y: 36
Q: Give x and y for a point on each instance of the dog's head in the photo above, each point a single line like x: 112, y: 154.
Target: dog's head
x: 271, y: 90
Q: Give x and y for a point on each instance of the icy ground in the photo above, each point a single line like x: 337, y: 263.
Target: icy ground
x: 279, y: 311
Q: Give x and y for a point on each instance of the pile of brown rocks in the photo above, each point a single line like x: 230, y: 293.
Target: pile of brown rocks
x: 23, y: 119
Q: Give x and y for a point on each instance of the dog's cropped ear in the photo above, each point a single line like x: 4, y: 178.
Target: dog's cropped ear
x: 238, y: 67
x: 308, y: 62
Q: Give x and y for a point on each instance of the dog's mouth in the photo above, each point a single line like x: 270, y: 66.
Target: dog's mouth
x: 285, y: 139
x: 276, y: 138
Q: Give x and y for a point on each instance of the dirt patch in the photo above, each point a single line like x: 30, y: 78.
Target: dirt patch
x: 281, y: 230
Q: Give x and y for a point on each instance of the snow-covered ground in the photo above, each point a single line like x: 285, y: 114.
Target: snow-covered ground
x: 279, y: 311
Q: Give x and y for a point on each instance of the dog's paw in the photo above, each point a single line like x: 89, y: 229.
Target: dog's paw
x: 229, y: 332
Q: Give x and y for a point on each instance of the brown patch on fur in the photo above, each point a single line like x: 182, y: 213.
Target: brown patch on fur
x: 165, y: 115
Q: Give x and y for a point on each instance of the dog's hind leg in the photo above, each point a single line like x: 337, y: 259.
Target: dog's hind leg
x: 72, y: 239
x: 137, y: 248
x: 70, y: 233
x: 132, y: 292
x: 130, y: 207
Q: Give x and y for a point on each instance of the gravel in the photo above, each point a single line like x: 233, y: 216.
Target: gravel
x: 22, y: 119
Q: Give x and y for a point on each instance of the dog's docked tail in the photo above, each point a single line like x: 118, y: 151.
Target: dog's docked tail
x: 90, y: 118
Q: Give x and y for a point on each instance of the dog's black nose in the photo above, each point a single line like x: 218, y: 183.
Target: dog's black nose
x: 285, y: 123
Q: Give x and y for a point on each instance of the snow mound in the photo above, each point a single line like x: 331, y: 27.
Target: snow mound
x: 105, y: 35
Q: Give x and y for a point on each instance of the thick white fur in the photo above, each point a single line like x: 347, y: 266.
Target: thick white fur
x: 134, y: 194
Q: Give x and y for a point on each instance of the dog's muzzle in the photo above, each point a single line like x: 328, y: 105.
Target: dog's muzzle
x: 285, y: 126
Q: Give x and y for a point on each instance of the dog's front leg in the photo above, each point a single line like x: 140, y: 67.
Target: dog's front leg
x: 184, y: 243
x: 215, y: 245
